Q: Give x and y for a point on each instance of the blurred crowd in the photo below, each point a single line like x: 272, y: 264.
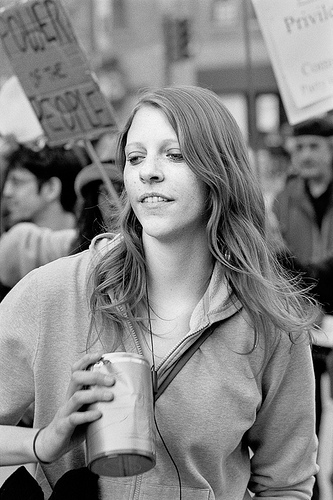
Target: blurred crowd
x: 53, y: 202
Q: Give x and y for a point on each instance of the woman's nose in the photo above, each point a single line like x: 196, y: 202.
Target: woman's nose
x: 151, y: 170
x: 7, y: 189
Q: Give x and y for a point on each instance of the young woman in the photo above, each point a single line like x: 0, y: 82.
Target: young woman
x: 238, y: 419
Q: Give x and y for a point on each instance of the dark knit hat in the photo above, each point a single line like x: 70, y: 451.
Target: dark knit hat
x: 322, y: 127
x: 92, y: 173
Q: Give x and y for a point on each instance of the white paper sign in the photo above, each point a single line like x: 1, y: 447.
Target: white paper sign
x: 41, y: 45
x: 299, y: 38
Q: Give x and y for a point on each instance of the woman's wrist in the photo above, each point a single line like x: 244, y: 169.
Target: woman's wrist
x: 34, y: 446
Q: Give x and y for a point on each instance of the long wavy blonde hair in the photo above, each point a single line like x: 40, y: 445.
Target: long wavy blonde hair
x: 213, y: 147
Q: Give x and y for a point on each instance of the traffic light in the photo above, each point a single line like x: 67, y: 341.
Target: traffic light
x: 177, y: 38
x: 183, y: 38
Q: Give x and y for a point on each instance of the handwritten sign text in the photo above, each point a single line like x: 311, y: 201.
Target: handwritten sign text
x: 41, y: 45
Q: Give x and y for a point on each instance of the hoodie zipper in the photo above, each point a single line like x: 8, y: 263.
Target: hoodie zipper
x: 136, y: 339
x: 138, y: 481
x: 171, y: 352
x: 174, y: 349
x: 138, y: 478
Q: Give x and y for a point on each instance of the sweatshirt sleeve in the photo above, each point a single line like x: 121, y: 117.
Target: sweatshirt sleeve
x: 27, y: 246
x: 283, y: 439
x: 18, y: 346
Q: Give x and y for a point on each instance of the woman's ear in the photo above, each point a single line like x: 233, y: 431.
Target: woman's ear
x: 51, y: 189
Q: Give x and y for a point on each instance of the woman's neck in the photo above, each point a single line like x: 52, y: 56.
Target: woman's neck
x: 177, y: 277
x: 177, y: 265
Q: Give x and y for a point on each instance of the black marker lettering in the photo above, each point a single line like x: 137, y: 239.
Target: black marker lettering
x: 37, y: 108
x: 98, y: 111
x: 73, y: 99
x: 44, y: 116
x: 50, y: 119
x: 89, y: 115
x: 62, y: 107
x: 39, y: 14
x: 34, y: 34
x: 4, y: 34
x: 61, y: 26
x: 36, y: 77
x: 12, y: 22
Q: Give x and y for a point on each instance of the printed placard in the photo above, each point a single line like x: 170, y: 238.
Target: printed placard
x: 44, y: 52
x: 299, y: 38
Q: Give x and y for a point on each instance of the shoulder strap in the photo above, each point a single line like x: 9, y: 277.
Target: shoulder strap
x: 183, y: 360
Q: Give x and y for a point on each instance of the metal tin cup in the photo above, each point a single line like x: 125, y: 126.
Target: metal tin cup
x: 122, y: 442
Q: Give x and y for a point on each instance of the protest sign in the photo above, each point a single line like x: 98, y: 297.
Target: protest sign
x: 299, y: 38
x: 44, y: 52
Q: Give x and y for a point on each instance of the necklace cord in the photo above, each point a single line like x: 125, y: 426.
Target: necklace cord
x: 155, y: 387
x: 153, y: 367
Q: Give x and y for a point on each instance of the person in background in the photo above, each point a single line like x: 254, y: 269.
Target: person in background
x: 191, y: 253
x: 39, y: 185
x: 96, y: 206
x: 304, y: 213
x: 304, y: 206
x: 7, y: 144
x: 26, y: 246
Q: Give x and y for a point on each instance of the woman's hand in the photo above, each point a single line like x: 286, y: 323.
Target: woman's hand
x: 57, y: 438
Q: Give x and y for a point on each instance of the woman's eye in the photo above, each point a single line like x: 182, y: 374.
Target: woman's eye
x: 134, y: 159
x: 177, y: 157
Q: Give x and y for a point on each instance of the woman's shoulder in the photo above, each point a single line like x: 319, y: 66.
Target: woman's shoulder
x: 104, y: 242
x: 73, y: 271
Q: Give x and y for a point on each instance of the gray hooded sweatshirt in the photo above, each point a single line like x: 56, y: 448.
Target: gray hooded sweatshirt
x: 236, y: 426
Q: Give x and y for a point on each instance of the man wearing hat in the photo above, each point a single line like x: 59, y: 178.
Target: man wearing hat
x: 304, y: 211
x: 304, y: 208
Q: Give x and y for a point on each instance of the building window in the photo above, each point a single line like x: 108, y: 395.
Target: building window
x: 268, y: 113
x: 225, y: 12
x: 237, y: 105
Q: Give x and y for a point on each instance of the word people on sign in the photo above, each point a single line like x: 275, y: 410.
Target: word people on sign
x: 72, y: 111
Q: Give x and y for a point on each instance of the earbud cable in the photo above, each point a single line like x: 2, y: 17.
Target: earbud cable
x: 154, y: 379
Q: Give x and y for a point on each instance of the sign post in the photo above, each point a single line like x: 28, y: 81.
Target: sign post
x: 94, y: 157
